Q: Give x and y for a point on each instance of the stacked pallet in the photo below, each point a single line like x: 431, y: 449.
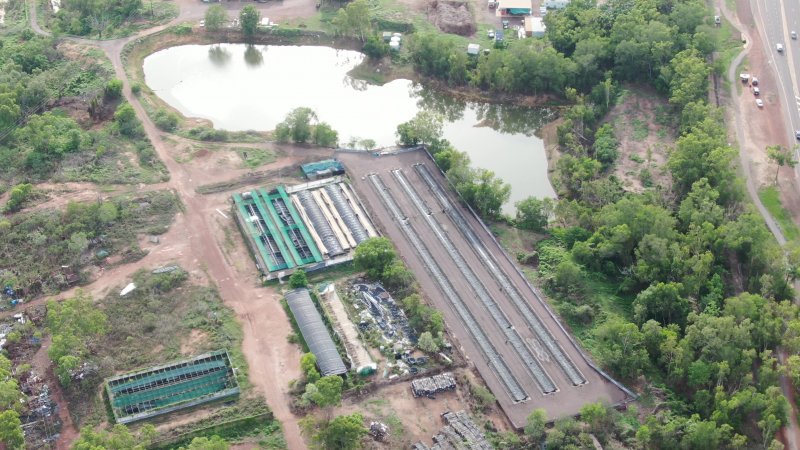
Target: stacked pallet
x: 430, y: 386
x: 459, y: 432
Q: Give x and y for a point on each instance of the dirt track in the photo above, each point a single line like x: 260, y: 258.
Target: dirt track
x: 569, y: 398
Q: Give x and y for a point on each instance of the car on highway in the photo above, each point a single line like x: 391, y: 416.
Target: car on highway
x: 794, y: 34
x: 759, y: 103
x: 756, y: 91
x: 779, y: 47
x: 797, y: 134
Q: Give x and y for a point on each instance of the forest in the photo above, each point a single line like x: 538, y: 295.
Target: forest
x: 705, y: 289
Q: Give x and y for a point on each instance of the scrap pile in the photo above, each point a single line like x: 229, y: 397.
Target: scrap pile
x: 459, y: 432
x: 430, y: 386
x: 40, y: 419
x: 378, y: 430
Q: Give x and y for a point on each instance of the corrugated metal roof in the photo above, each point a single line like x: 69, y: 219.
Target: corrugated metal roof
x: 315, y: 333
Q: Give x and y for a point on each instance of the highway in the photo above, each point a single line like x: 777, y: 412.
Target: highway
x: 775, y: 21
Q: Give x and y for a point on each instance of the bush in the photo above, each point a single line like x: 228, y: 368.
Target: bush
x: 136, y: 88
x: 483, y: 397
x: 375, y: 48
x: 166, y: 120
x: 298, y: 279
x: 113, y: 89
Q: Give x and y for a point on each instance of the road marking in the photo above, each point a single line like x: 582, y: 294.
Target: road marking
x: 222, y: 213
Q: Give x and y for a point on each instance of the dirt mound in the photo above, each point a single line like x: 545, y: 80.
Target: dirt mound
x: 452, y: 16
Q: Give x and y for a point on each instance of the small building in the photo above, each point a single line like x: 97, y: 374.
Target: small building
x: 315, y: 333
x: 387, y: 36
x: 322, y: 169
x: 555, y: 4
x: 534, y: 26
x: 473, y: 49
x: 514, y: 8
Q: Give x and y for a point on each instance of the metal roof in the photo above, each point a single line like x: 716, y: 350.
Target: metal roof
x: 315, y: 333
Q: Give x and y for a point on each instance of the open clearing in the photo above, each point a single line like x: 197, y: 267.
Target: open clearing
x: 520, y: 382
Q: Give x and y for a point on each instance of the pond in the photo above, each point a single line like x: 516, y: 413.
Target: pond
x: 239, y: 87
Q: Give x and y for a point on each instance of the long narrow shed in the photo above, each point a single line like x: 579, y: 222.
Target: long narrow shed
x: 315, y: 333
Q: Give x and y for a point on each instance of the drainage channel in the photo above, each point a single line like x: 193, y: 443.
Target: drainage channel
x: 546, y: 384
x: 493, y: 358
x: 534, y: 323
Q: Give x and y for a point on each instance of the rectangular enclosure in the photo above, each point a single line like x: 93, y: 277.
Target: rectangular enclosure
x: 163, y: 389
x: 502, y: 324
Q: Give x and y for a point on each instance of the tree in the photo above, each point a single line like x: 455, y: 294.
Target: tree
x: 11, y: 430
x: 622, y: 348
x: 324, y: 135
x: 249, y: 18
x: 204, y: 443
x: 298, y: 279
x: 329, y: 391
x: 781, y: 156
x: 373, y: 256
x: 689, y: 78
x: 118, y: 438
x: 216, y: 17
x: 535, y: 425
x: 662, y: 302
x: 343, y: 433
x: 424, y: 127
x: 353, y: 20
x: 125, y: 118
x: 533, y: 213
x: 427, y: 343
x: 308, y: 362
x: 9, y: 112
x: 73, y: 323
x: 297, y: 126
x: 486, y: 193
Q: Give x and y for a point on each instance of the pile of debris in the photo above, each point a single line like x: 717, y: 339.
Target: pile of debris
x: 452, y: 16
x: 378, y: 430
x: 40, y: 420
x: 459, y: 432
x: 430, y: 386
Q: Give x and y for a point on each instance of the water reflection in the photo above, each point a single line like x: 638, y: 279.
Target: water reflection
x: 218, y: 55
x: 237, y: 87
x: 253, y: 56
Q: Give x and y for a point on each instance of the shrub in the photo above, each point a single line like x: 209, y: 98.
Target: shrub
x: 113, y: 89
x: 166, y: 120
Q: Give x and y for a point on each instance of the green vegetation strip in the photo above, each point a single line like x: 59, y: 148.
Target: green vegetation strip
x: 770, y: 197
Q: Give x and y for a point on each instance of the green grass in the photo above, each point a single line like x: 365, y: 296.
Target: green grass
x: 640, y: 129
x: 770, y: 197
x: 254, y: 157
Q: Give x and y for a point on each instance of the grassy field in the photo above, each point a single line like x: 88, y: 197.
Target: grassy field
x: 771, y: 199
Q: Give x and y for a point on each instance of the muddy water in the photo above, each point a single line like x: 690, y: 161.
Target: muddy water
x: 241, y: 87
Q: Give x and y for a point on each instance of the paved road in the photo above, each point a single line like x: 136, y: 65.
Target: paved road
x: 775, y: 21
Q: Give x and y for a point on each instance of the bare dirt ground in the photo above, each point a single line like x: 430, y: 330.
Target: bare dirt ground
x: 568, y: 399
x: 410, y: 419
x: 643, y: 142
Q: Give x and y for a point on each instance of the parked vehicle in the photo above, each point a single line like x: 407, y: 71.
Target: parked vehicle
x: 756, y: 91
x: 505, y: 24
x: 759, y: 103
x: 717, y: 20
x: 490, y: 34
x: 794, y: 34
x: 797, y: 134
x: 755, y: 81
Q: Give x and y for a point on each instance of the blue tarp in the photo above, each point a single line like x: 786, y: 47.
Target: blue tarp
x: 519, y: 11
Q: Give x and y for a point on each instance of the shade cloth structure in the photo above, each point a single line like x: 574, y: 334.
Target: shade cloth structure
x: 315, y: 333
